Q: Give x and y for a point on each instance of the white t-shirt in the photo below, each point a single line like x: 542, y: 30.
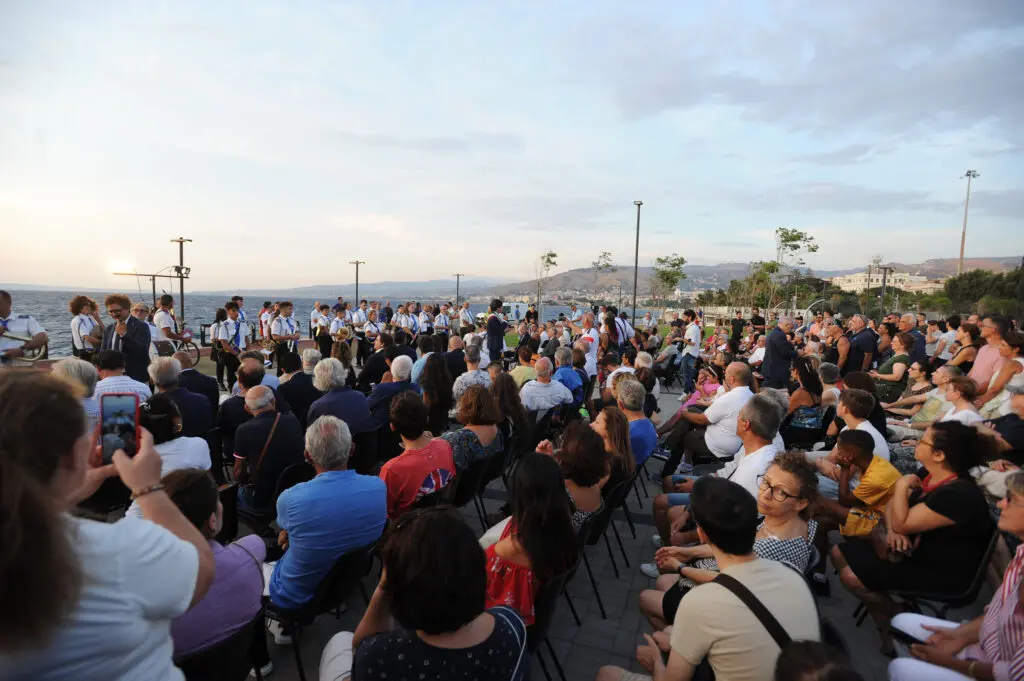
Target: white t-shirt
x: 721, y: 437
x: 265, y: 320
x: 137, y: 578
x: 745, y: 468
x: 178, y: 454
x: 756, y: 356
x: 693, y: 336
x: 163, y: 320
x: 949, y: 337
x: 881, y: 446
x: 964, y: 416
x: 591, y: 366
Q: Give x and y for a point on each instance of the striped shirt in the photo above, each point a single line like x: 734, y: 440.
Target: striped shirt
x: 122, y: 384
x: 1002, y: 631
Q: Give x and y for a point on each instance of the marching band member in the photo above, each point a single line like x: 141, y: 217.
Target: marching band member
x: 231, y: 335
x: 349, y: 317
x: 86, y: 327
x: 373, y: 327
x: 337, y: 324
x: 359, y: 319
x: 314, y: 319
x: 31, y: 333
x: 466, y: 319
x: 141, y: 312
x: 443, y: 323
x: 167, y: 327
x: 398, y: 320
x: 322, y: 330
x: 266, y: 316
x: 240, y: 301
x: 285, y: 332
x: 427, y: 320
x: 219, y: 317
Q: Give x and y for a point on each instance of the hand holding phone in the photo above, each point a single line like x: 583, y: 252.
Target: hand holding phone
x: 142, y: 470
x: 119, y: 424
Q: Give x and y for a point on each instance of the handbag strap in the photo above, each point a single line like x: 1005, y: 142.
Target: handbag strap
x: 757, y: 607
x: 266, y: 445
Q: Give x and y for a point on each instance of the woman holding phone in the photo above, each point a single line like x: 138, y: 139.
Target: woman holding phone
x: 93, y: 600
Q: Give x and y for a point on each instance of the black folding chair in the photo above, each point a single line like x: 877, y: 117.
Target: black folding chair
x: 364, y: 455
x: 467, y: 487
x: 543, y: 612
x: 228, y: 494
x: 227, y: 660
x: 290, y: 476
x: 334, y: 590
x: 219, y: 469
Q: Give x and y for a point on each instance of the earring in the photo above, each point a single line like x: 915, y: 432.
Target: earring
x: 177, y: 428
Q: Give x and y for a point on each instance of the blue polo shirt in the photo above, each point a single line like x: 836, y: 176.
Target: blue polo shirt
x: 568, y: 377
x: 332, y: 514
x: 348, y: 405
x: 643, y: 438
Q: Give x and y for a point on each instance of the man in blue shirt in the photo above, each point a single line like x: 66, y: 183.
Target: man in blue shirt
x: 643, y: 436
x: 908, y: 324
x: 336, y: 512
x: 330, y: 377
x: 379, y: 401
x: 567, y: 376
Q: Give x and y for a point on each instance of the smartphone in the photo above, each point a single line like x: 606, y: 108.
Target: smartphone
x: 119, y: 424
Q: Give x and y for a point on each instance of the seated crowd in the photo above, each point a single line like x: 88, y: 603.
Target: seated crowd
x: 785, y: 432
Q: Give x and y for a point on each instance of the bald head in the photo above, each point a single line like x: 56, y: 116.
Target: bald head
x: 183, y: 359
x: 543, y: 368
x: 454, y: 343
x: 259, y: 399
x: 737, y: 374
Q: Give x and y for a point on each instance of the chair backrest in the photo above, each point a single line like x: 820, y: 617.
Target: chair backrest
x: 601, y: 519
x: 364, y: 454
x: 497, y: 464
x: 216, y: 443
x: 831, y: 636
x: 389, y: 444
x: 291, y: 476
x: 467, y: 483
x: 338, y: 584
x: 544, y: 604
x: 228, y: 660
x: 228, y: 494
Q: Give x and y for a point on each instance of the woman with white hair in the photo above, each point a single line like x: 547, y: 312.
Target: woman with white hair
x: 84, y: 375
x: 330, y: 377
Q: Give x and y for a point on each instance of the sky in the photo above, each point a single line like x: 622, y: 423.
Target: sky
x: 425, y: 138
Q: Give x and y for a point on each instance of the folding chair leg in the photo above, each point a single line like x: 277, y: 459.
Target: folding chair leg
x: 543, y: 667
x: 593, y: 583
x: 619, y: 539
x: 863, y: 616
x: 643, y: 483
x: 298, y: 654
x: 629, y: 519
x: 480, y: 514
x: 572, y: 607
x: 362, y: 590
x: 611, y: 554
x: 636, y: 491
x: 554, y: 658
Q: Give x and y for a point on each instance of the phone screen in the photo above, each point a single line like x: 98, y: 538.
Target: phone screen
x: 119, y: 416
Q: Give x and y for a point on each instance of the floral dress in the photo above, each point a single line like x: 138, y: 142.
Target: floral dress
x: 510, y: 584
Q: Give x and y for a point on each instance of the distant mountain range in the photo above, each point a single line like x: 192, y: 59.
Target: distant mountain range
x: 430, y: 289
x: 700, y: 277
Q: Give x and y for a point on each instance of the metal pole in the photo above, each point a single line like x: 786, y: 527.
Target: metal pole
x: 458, y: 278
x: 357, y: 263
x: 636, y: 256
x: 181, y: 241
x: 970, y: 174
x: 885, y: 275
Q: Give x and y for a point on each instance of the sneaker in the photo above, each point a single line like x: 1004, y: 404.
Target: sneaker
x: 265, y: 670
x: 660, y: 453
x: 684, y: 468
x: 656, y: 541
x: 280, y: 638
x: 651, y: 570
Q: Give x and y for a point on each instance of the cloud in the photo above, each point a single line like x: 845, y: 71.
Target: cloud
x: 427, y: 143
x: 852, y: 153
x: 1007, y: 203
x: 833, y: 197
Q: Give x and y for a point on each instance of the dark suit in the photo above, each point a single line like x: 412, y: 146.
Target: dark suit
x: 300, y: 394
x: 232, y: 414
x: 456, y: 361
x: 379, y: 401
x: 778, y: 354
x: 134, y: 345
x: 373, y: 371
x: 495, y: 337
x: 201, y: 384
x: 196, y: 417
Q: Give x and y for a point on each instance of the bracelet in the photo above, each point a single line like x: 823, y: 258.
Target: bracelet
x: 146, y: 490
x: 970, y: 669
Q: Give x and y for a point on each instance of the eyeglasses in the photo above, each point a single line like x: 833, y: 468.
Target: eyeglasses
x: 926, y: 442
x: 774, y: 491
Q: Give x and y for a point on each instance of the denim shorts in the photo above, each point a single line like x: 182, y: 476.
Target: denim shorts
x: 679, y: 498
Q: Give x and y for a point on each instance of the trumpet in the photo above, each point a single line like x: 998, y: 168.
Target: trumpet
x: 32, y: 355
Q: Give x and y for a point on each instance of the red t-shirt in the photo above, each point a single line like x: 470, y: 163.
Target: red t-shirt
x: 416, y: 473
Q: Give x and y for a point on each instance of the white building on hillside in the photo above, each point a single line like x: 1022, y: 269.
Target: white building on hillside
x: 858, y: 282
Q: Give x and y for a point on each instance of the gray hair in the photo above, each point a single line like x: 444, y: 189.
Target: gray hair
x: 785, y: 320
x: 329, y: 374
x: 78, y: 371
x: 864, y: 320
x: 588, y: 317
x: 259, y: 398
x: 310, y: 358
x: 563, y: 356
x: 329, y: 442
x: 631, y: 395
x: 763, y: 414
x: 472, y: 354
x: 401, y: 368
x: 908, y: 317
x: 643, y: 360
x: 779, y: 397
x: 164, y: 372
x: 543, y: 367
x: 828, y: 373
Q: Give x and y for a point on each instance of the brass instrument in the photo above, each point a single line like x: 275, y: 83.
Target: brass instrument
x: 32, y: 355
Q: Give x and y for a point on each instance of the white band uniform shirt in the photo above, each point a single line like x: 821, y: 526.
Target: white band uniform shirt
x: 284, y: 326
x: 23, y: 325
x: 337, y: 324
x: 321, y: 323
x: 81, y: 326
x: 425, y: 321
x: 349, y: 317
x: 466, y: 317
x: 372, y: 330
x: 441, y: 322
x: 265, y: 320
x: 233, y: 331
x: 359, y: 318
x: 164, y: 320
